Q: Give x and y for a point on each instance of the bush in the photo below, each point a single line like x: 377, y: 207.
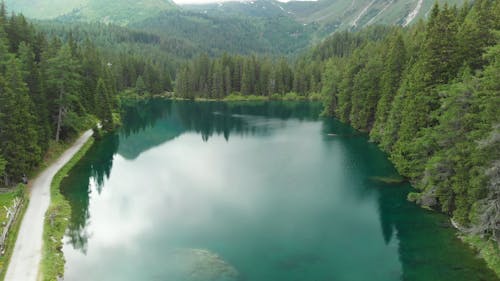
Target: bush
x: 315, y: 97
x: 292, y: 96
x: 275, y: 96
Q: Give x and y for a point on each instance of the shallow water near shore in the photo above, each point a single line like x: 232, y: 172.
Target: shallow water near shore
x: 269, y: 191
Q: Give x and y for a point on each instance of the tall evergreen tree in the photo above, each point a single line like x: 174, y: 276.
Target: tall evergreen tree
x: 18, y: 135
x: 64, y: 80
x: 104, y: 106
x: 248, y: 78
x: 390, y: 81
x: 476, y: 33
x: 140, y: 86
x: 32, y: 77
x: 3, y: 163
x: 227, y: 81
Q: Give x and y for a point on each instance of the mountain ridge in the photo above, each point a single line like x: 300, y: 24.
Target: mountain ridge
x: 331, y: 15
x: 256, y: 26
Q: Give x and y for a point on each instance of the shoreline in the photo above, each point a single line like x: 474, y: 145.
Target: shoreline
x: 56, y: 222
x: 27, y: 254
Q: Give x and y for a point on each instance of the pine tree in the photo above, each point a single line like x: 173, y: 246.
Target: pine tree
x: 18, y: 135
x: 236, y: 76
x: 227, y: 81
x: 330, y: 89
x: 64, y: 79
x: 91, y: 64
x: 247, y: 79
x: 440, y: 55
x: 104, y: 107
x: 475, y: 33
x: 217, y: 81
x: 437, y: 65
x: 390, y: 81
x: 346, y: 87
x: 140, y: 86
x: 366, y: 90
x: 167, y: 82
x: 3, y: 163
x: 32, y: 77
x: 183, y: 84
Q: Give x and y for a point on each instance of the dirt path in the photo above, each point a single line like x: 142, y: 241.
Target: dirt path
x: 25, y: 260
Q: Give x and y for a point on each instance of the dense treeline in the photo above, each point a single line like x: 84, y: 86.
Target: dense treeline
x: 112, y: 39
x: 136, y: 56
x: 430, y: 97
x: 204, y: 77
x: 52, y: 88
x: 262, y: 76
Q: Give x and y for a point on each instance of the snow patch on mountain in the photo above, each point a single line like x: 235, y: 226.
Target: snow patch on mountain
x: 354, y: 23
x: 411, y: 16
x: 379, y: 13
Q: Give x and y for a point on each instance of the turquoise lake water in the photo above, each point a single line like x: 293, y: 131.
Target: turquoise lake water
x: 210, y: 191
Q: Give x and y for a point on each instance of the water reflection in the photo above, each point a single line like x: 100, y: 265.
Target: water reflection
x: 289, y: 197
x: 149, y: 123
x: 91, y: 171
x: 153, y: 122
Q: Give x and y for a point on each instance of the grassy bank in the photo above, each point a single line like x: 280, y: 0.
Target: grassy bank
x: 56, y: 222
x: 130, y: 94
x: 487, y: 249
x: 7, y: 199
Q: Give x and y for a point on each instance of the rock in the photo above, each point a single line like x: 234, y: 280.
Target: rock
x: 428, y: 199
x: 202, y: 265
x: 388, y: 180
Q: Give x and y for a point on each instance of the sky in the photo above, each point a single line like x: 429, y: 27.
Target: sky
x: 218, y: 1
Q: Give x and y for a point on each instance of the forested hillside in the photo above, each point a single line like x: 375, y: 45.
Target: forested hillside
x: 52, y: 88
x: 428, y: 95
x: 215, y: 34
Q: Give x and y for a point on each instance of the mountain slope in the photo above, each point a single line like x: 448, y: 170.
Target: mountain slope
x: 44, y: 9
x: 356, y: 13
x: 257, y: 8
x: 216, y: 34
x: 331, y: 15
x: 122, y: 12
x: 119, y: 12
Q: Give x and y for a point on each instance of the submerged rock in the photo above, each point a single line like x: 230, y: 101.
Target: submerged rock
x: 388, y: 180
x: 202, y: 265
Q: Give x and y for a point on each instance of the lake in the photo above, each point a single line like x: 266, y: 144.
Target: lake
x: 212, y: 191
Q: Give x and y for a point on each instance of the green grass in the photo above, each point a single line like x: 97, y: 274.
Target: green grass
x: 7, y: 199
x: 286, y: 97
x: 56, y: 222
x: 241, y: 97
x: 487, y: 249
